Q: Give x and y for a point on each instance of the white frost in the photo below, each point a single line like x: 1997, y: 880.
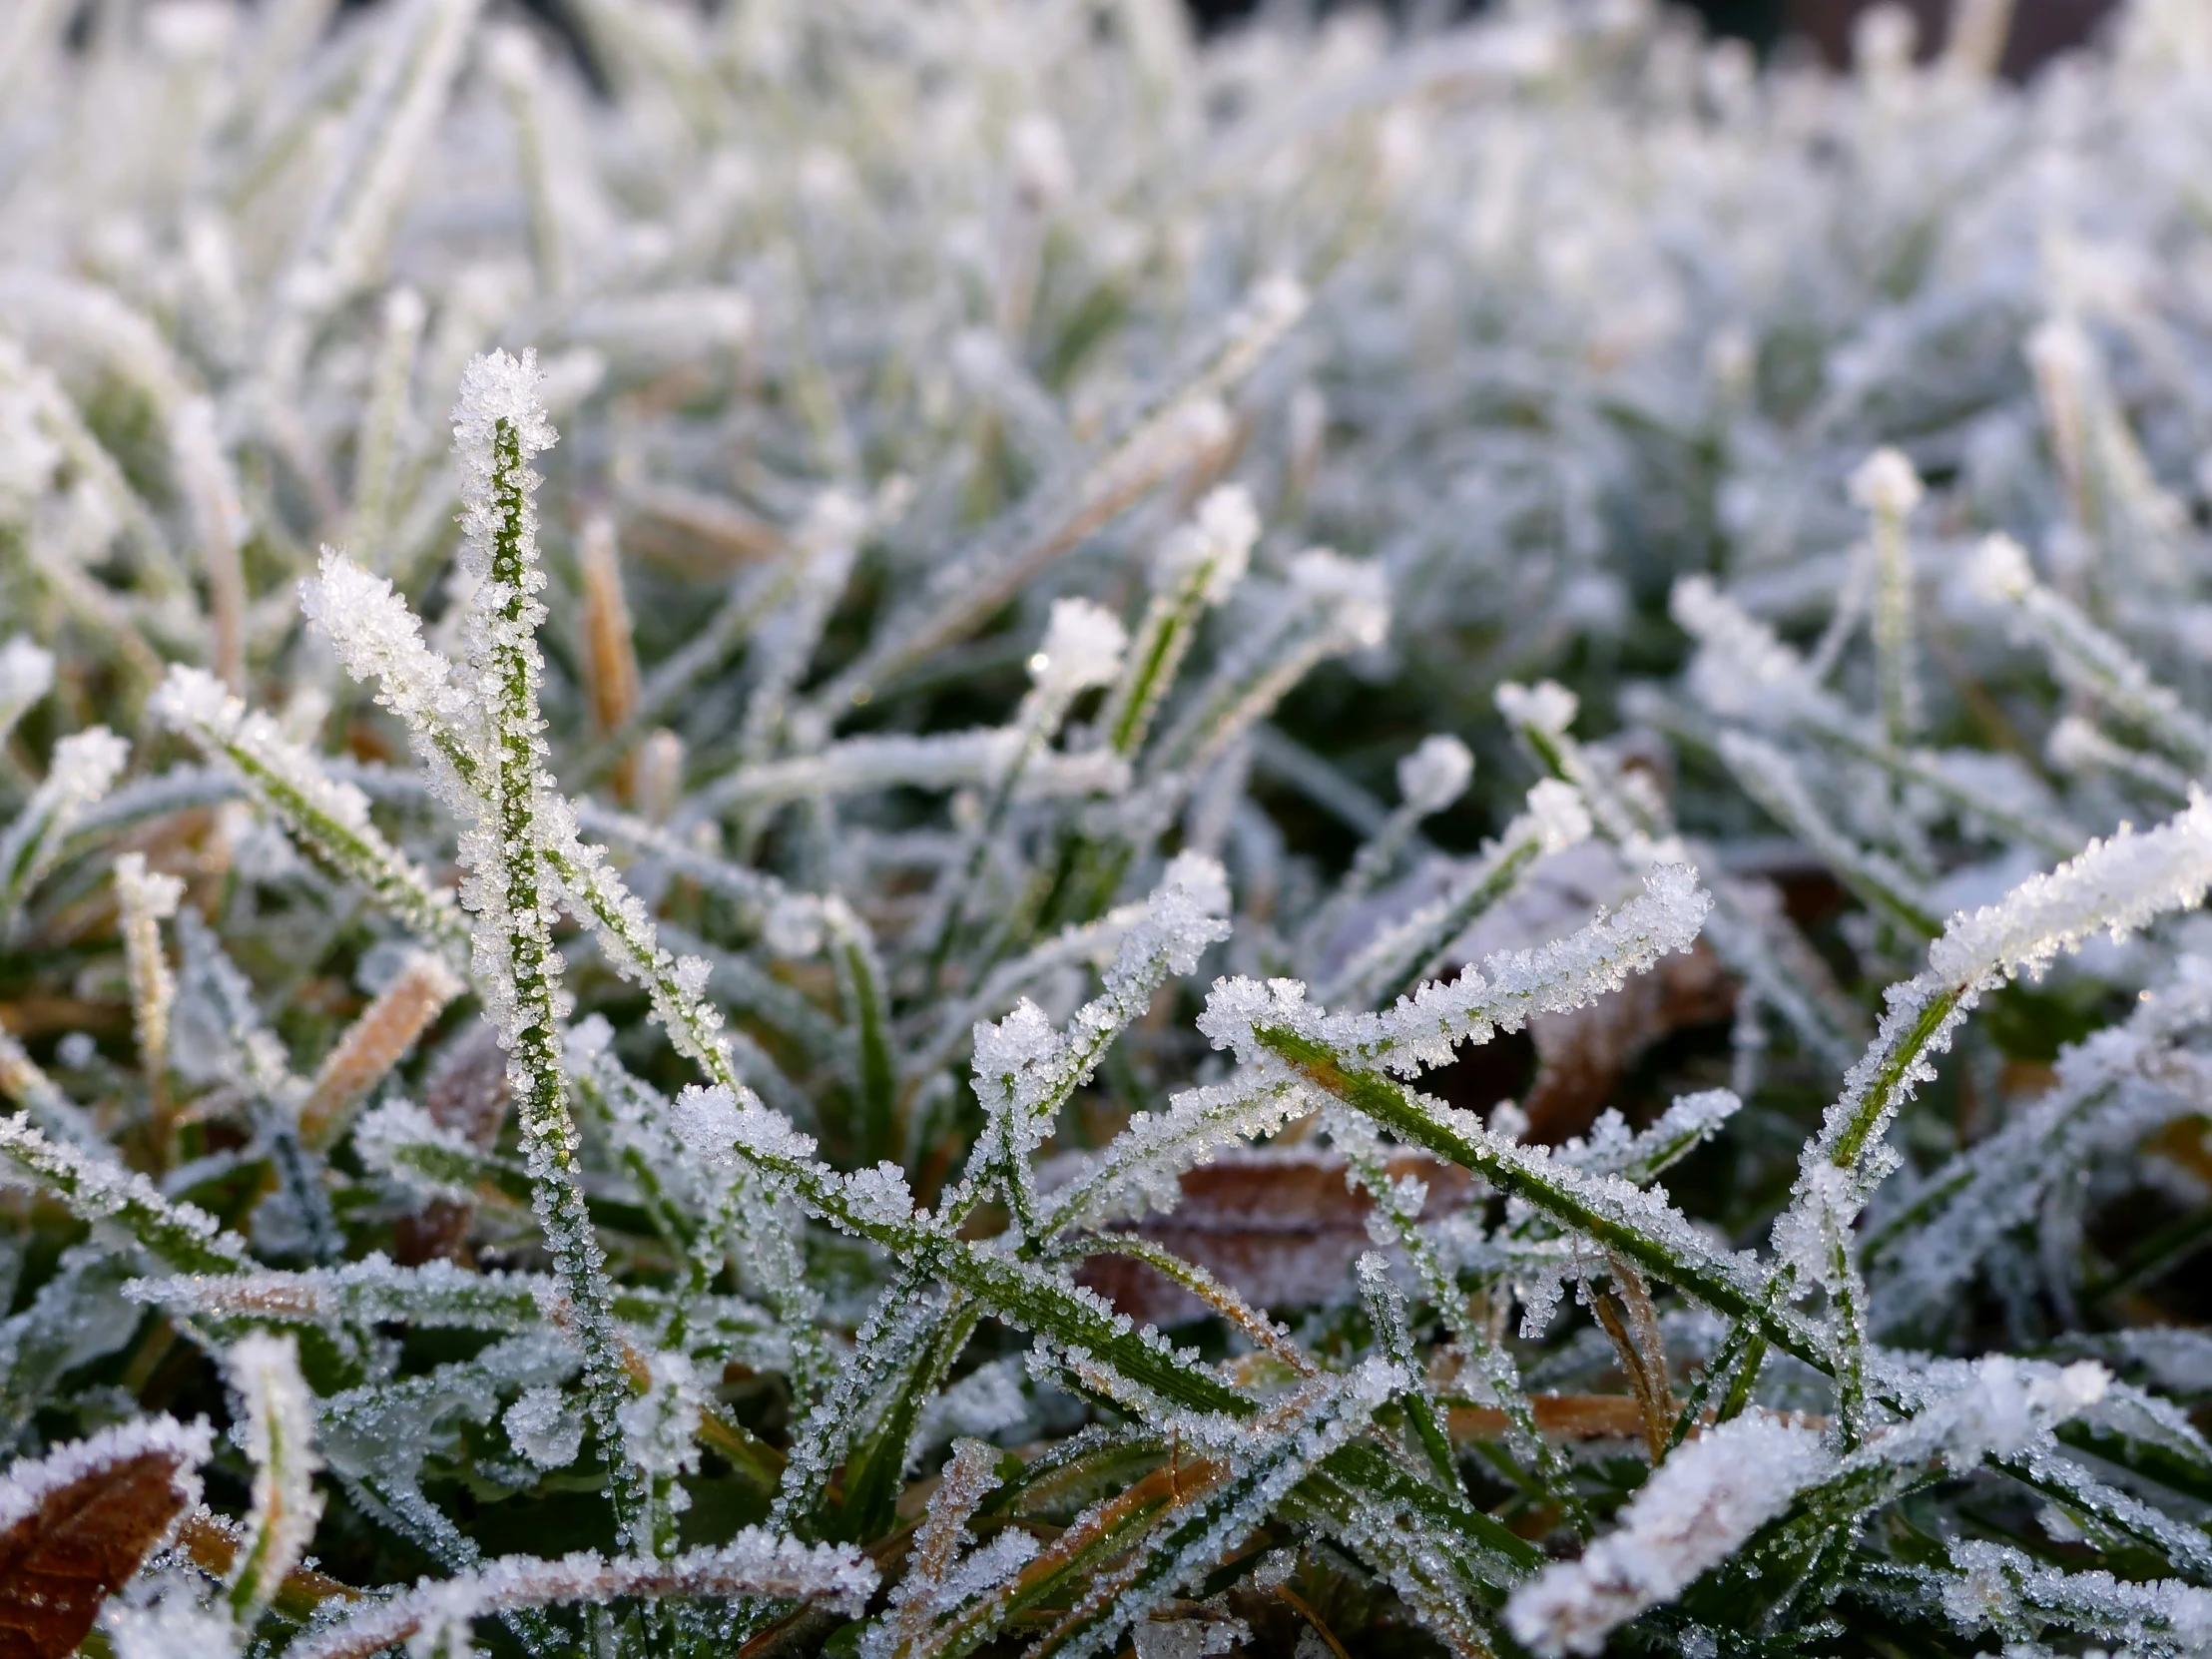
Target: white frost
x: 1708, y: 1495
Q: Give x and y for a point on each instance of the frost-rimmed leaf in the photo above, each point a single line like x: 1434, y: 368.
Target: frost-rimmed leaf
x: 76, y: 1523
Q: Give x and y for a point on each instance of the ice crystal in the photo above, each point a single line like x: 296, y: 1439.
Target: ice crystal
x: 2000, y: 1406
x: 168, y: 1624
x: 1214, y: 547
x: 380, y: 642
x: 939, y: 1580
x: 661, y: 1425
x: 544, y: 1428
x: 1082, y: 646
x: 1692, y: 1513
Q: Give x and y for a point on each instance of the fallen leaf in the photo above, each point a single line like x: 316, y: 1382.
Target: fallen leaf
x: 80, y: 1521
x: 1278, y: 1225
x: 1581, y: 1056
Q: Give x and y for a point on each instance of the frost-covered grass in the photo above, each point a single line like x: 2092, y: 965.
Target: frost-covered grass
x: 1034, y: 658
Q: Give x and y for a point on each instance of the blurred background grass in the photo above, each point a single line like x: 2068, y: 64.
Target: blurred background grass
x: 2039, y: 27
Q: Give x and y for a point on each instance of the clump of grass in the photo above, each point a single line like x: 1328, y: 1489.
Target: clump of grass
x: 771, y: 1002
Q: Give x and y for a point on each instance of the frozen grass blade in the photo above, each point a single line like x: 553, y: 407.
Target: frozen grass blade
x: 84, y: 768
x: 2088, y: 658
x: 329, y: 817
x: 373, y: 1045
x: 752, y: 1563
x: 178, y: 1236
x: 498, y: 426
x: 278, y: 1419
x: 147, y: 900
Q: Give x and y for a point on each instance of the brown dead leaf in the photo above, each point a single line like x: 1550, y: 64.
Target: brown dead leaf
x: 1571, y: 1417
x: 85, y: 1538
x: 1278, y: 1225
x: 610, y: 647
x: 1579, y: 1417
x: 1581, y: 1056
x: 214, y: 1543
x: 39, y: 1016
